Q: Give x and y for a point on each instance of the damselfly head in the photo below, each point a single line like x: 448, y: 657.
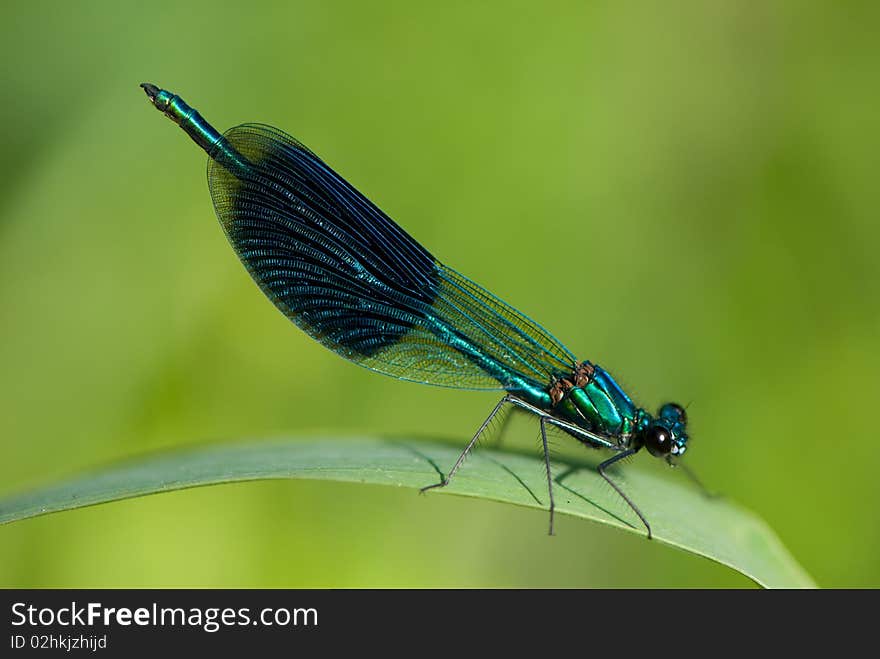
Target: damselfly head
x: 666, y: 435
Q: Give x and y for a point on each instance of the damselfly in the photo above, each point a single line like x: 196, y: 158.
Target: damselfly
x: 352, y: 279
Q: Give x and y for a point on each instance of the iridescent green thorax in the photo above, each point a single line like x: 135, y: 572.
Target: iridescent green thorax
x: 591, y: 399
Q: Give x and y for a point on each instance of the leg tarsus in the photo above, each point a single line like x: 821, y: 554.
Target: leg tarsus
x: 458, y: 463
x: 610, y: 461
x: 547, y: 465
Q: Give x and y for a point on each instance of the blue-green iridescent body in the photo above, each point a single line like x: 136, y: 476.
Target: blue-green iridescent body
x: 355, y: 281
x: 194, y: 125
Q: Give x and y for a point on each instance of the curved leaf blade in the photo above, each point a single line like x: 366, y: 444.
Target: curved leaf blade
x: 714, y: 528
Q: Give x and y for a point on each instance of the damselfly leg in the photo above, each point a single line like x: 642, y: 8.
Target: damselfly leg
x: 610, y: 461
x: 547, y: 464
x: 468, y: 448
x: 475, y: 439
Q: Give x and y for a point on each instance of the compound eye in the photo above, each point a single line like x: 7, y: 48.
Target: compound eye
x: 674, y: 412
x: 658, y: 441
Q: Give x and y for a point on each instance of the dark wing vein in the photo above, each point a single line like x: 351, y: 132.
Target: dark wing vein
x: 345, y: 273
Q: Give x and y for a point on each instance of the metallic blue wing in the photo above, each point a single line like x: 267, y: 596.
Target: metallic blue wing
x: 350, y: 277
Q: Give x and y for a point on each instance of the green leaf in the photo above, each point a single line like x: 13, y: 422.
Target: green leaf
x: 680, y: 516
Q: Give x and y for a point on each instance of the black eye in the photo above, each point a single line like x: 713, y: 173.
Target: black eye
x: 658, y: 441
x: 674, y: 411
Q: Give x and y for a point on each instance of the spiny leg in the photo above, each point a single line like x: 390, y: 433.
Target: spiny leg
x: 467, y: 449
x: 501, y: 428
x: 608, y: 463
x: 570, y: 428
x: 547, y: 464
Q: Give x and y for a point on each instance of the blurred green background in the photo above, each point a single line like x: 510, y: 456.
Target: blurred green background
x: 686, y: 194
